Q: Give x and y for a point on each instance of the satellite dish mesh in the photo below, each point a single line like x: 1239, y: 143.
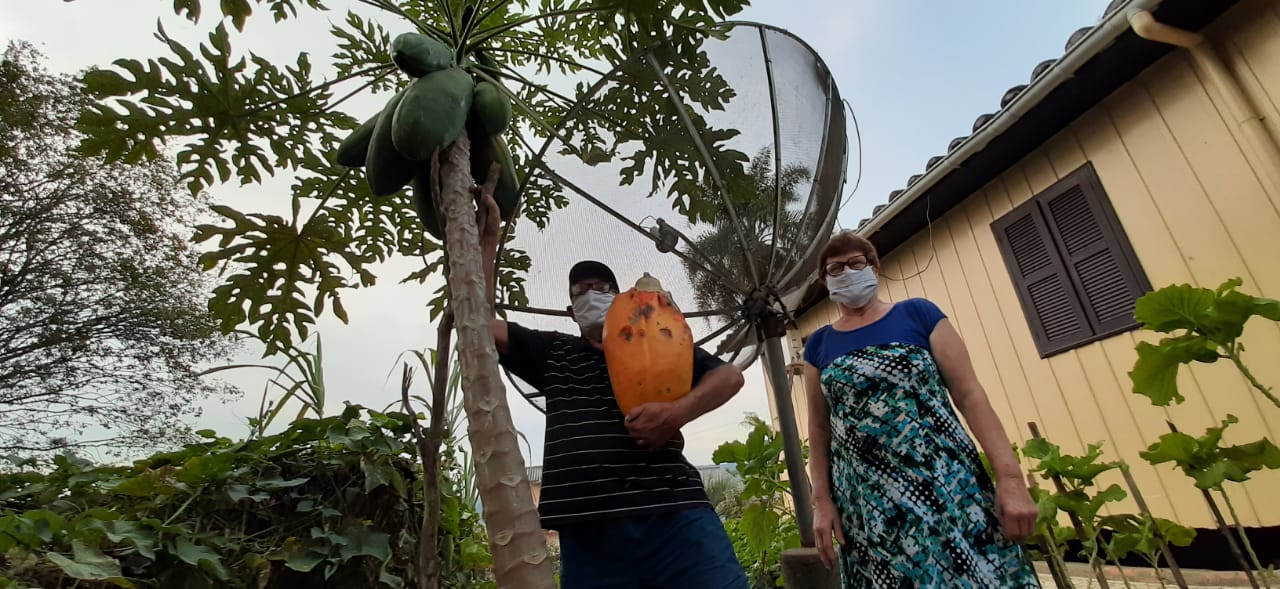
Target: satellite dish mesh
x: 716, y: 168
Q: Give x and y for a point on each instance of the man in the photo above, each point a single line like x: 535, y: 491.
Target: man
x: 630, y: 509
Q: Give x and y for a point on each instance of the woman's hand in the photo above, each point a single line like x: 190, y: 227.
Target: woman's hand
x: 1015, y: 509
x: 826, y: 524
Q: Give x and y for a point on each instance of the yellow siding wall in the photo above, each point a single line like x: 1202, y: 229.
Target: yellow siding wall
x: 1192, y: 205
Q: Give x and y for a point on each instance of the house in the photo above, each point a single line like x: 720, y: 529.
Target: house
x: 1125, y: 164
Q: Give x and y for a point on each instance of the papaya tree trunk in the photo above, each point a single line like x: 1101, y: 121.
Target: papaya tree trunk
x: 515, y: 535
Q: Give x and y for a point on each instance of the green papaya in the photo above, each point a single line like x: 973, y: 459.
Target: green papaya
x: 486, y: 150
x: 418, y: 55
x: 431, y: 217
x: 385, y: 168
x: 355, y: 148
x: 490, y: 106
x: 433, y: 113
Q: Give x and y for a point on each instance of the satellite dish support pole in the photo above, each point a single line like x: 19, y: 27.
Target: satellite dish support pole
x: 772, y: 329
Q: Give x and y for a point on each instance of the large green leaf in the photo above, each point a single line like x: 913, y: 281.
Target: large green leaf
x: 1262, y: 454
x: 1179, y: 306
x: 245, y: 127
x: 760, y: 525
x: 1175, y: 533
x: 233, y: 115
x: 149, y: 483
x: 1218, y: 315
x: 1175, y: 447
x: 1050, y: 461
x: 301, y: 556
x: 1155, y: 374
x: 239, y: 11
x: 130, y: 533
x: 199, y: 556
x: 377, y: 472
x: 1210, y: 464
x: 87, y: 563
x: 363, y: 540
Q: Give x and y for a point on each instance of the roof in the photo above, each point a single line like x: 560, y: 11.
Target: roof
x: 1108, y: 54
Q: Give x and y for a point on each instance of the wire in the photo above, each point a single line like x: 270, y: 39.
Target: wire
x: 857, y: 132
x: 933, y: 252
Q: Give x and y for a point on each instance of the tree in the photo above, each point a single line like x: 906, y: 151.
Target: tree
x: 242, y: 116
x: 774, y: 233
x: 103, y: 325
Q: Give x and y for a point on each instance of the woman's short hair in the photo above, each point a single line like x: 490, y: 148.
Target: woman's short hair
x: 844, y: 243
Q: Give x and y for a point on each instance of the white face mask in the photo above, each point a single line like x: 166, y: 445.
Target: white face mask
x: 589, y: 309
x: 853, y: 288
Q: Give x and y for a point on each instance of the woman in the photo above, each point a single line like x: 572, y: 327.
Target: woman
x: 896, y: 480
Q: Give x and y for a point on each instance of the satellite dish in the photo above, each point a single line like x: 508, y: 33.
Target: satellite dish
x: 714, y: 164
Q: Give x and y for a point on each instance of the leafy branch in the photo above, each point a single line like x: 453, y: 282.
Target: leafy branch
x: 1206, y: 324
x: 1075, y: 476
x: 1212, y: 465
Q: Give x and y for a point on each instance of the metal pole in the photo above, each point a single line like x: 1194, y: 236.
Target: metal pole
x: 775, y: 367
x: 1146, y: 512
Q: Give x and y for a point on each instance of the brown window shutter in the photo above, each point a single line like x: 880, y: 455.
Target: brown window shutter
x: 1095, y: 251
x: 1044, y: 287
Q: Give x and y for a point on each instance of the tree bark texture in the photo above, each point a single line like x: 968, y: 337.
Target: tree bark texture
x: 515, y: 535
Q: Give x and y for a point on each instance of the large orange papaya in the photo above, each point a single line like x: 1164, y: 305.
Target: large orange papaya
x: 648, y: 346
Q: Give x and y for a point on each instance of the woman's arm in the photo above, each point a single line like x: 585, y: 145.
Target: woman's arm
x: 819, y: 435
x: 826, y: 522
x: 1016, y: 511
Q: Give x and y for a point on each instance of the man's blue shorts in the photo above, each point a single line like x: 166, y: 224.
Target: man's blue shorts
x: 680, y: 550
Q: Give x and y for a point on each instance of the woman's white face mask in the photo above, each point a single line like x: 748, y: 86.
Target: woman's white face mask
x: 853, y: 288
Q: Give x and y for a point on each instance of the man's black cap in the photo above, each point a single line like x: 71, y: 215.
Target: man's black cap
x: 591, y: 269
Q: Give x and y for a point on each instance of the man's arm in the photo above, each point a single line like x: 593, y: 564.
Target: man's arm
x: 652, y: 424
x: 714, y: 390
x: 488, y: 219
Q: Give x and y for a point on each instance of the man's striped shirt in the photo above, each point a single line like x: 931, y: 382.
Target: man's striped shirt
x: 592, y: 468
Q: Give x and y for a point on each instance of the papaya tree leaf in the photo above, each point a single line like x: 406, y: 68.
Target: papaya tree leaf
x: 231, y: 116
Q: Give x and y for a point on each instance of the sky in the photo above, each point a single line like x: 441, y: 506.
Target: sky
x: 915, y: 72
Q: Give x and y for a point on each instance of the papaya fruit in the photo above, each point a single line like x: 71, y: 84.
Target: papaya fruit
x: 418, y: 55
x: 507, y: 194
x: 491, y: 107
x: 355, y: 148
x: 648, y: 346
x: 431, y: 217
x: 433, y: 113
x: 386, y: 170
x: 484, y: 151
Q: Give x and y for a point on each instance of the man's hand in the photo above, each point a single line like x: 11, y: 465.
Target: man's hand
x: 488, y: 219
x: 652, y: 424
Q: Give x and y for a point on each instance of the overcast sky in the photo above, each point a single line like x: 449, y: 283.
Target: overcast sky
x: 916, y: 72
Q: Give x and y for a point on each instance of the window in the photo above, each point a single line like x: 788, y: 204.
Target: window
x: 1075, y: 272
